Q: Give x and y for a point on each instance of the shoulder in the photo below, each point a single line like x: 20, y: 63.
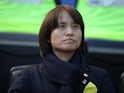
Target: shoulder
x: 101, y: 79
x: 31, y: 70
x: 98, y: 75
x: 23, y: 81
x: 26, y: 75
x: 97, y: 70
x: 25, y: 72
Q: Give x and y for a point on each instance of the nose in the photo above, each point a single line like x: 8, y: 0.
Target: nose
x: 69, y: 31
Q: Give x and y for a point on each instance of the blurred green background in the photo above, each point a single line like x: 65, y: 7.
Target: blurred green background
x: 101, y: 22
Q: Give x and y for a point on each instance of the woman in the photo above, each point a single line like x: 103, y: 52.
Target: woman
x: 63, y: 68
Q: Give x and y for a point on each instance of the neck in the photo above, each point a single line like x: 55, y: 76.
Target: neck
x: 64, y: 56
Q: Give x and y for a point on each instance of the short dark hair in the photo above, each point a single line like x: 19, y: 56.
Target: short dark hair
x: 51, y: 22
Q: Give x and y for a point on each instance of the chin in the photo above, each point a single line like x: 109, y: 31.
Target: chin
x: 70, y: 49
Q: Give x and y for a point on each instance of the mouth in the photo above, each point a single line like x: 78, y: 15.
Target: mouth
x: 69, y: 41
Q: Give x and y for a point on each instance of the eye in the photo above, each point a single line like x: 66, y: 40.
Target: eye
x: 76, y: 26
x: 61, y: 26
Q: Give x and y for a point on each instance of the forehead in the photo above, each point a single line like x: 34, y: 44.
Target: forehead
x: 64, y: 16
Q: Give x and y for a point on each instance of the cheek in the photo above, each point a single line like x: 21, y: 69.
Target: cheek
x: 54, y: 38
x: 79, y: 36
x: 79, y: 39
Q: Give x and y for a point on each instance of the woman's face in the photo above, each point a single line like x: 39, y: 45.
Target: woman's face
x: 67, y: 36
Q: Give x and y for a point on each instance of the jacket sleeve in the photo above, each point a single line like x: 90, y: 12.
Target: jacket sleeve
x: 21, y: 84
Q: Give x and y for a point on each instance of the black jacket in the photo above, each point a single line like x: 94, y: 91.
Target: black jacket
x: 55, y: 76
x: 31, y: 80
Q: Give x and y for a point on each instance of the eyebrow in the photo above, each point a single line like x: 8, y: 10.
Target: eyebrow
x: 64, y: 22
